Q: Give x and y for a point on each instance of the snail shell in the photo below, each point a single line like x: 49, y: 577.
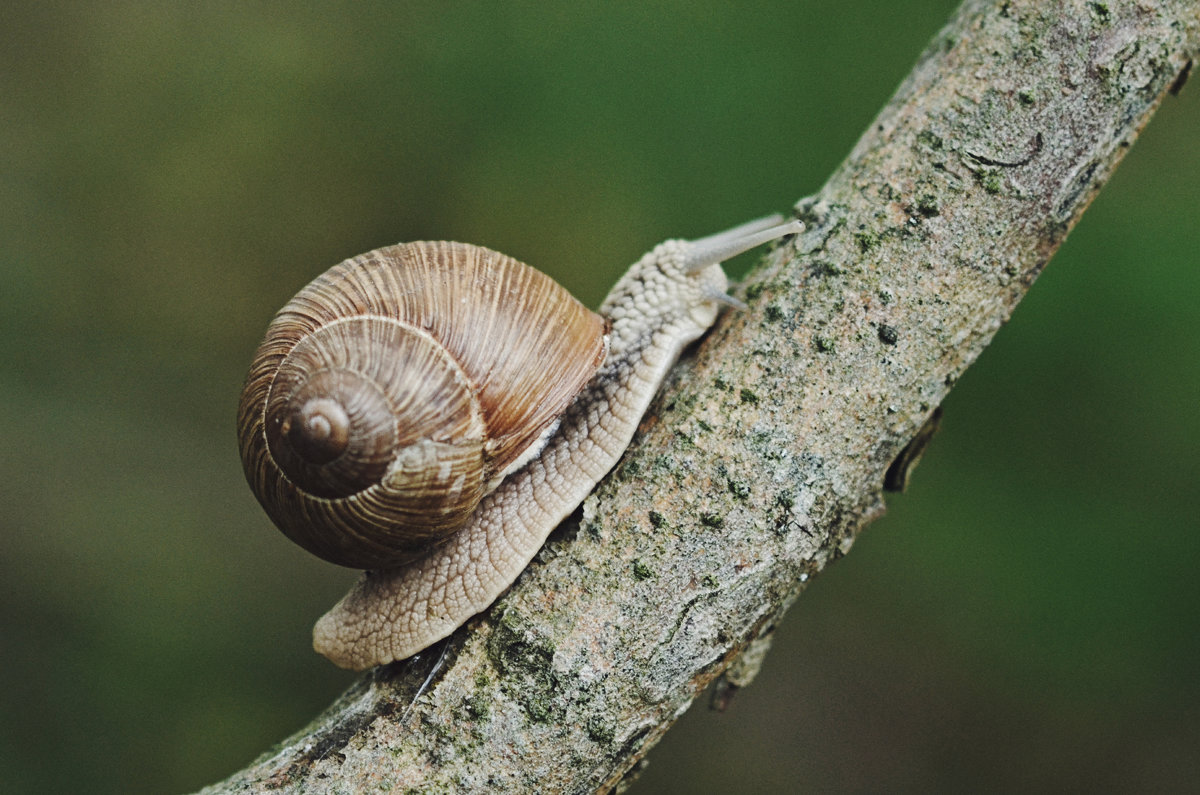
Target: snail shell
x: 397, y: 389
x: 431, y: 411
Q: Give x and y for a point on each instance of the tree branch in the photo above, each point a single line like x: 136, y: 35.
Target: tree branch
x: 767, y: 453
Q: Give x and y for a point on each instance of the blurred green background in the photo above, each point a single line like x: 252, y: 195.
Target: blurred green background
x: 171, y: 173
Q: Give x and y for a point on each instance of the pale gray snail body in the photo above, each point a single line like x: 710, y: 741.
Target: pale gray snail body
x: 431, y: 411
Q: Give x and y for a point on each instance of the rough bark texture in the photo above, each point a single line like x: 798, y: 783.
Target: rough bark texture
x: 767, y: 454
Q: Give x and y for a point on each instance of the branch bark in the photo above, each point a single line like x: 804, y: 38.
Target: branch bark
x: 767, y: 453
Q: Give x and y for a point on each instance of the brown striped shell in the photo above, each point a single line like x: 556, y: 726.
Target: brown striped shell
x: 399, y: 387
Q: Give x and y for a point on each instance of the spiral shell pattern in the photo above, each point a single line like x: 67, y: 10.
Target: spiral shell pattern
x: 398, y: 388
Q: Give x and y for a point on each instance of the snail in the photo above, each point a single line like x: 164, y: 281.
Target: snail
x: 430, y: 411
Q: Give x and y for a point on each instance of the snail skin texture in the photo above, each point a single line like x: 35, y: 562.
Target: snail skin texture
x: 429, y: 412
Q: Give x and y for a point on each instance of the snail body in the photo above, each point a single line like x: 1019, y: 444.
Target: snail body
x: 431, y: 411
